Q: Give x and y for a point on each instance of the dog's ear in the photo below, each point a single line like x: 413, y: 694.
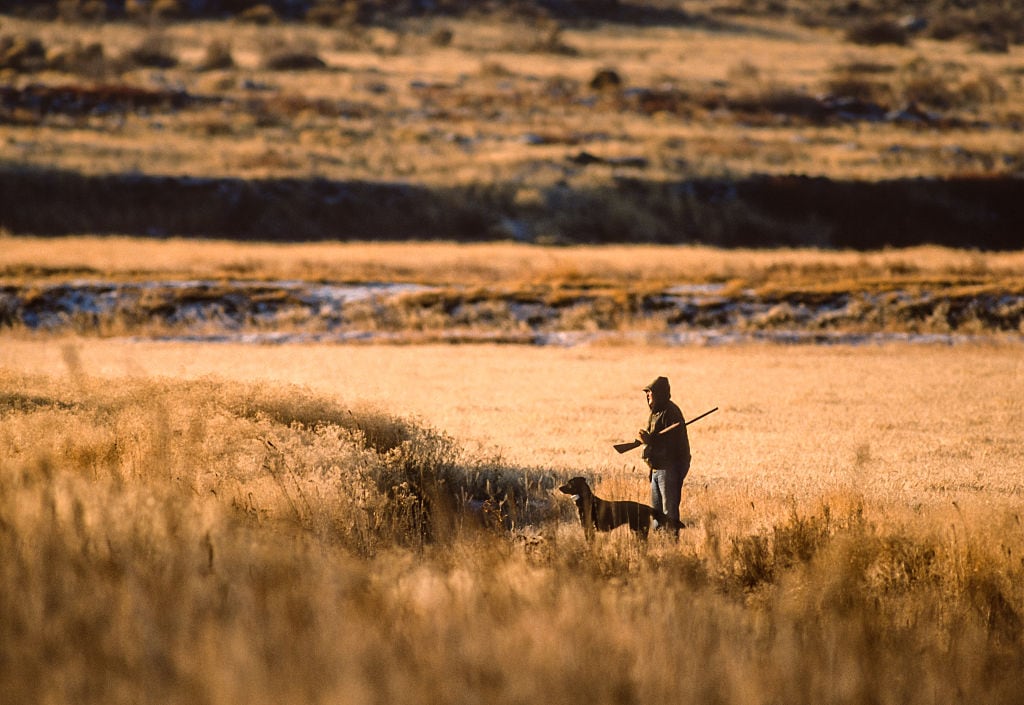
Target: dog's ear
x: 581, y: 486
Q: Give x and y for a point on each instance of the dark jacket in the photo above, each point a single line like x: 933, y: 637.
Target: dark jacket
x: 669, y: 450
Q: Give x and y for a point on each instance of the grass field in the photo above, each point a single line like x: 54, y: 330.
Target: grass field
x: 856, y: 533
x: 215, y: 524
x: 497, y: 264
x: 508, y: 99
x: 432, y: 292
x: 704, y: 122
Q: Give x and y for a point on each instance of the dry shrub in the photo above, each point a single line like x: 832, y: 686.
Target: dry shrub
x: 927, y: 84
x: 951, y: 25
x: 82, y: 59
x: 156, y: 50
x: 442, y: 37
x: 875, y: 32
x: 991, y: 26
x: 861, y: 85
x: 753, y: 92
x: 614, y: 215
x: 360, y: 477
x: 744, y: 73
x: 543, y: 36
x: 761, y: 559
x: 783, y: 100
x: 333, y: 13
x: 293, y: 60
x: 167, y: 10
x: 494, y: 69
x: 947, y: 86
x: 606, y: 78
x: 991, y: 41
x: 82, y: 10
x: 22, y: 54
x: 280, y: 54
x: 983, y: 89
x: 217, y: 56
x: 137, y: 9
x: 262, y: 15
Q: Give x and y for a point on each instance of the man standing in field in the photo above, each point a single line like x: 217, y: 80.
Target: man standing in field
x: 666, y: 453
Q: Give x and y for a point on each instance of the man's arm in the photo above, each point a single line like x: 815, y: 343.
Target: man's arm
x: 667, y: 429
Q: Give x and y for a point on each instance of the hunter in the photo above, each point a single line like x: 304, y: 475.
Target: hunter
x: 666, y: 454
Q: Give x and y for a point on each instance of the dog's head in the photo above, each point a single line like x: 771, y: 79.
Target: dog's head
x: 577, y: 487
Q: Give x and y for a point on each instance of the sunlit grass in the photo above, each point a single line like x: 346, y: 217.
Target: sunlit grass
x: 199, y: 538
x: 501, y: 81
x: 496, y: 264
x: 500, y: 291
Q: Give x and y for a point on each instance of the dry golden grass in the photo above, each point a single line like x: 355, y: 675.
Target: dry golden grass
x: 494, y: 264
x: 912, y: 424
x: 501, y: 291
x: 491, y: 108
x: 856, y: 526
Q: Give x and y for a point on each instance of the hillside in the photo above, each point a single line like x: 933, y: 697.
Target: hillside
x: 715, y: 122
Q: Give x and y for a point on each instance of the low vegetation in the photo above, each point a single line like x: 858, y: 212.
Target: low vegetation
x: 514, y: 293
x: 198, y: 523
x: 215, y: 541
x: 564, y: 122
x: 502, y: 265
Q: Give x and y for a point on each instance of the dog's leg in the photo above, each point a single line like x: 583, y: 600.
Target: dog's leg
x: 587, y: 516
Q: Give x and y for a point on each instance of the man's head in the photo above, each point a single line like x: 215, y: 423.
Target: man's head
x: 658, y: 393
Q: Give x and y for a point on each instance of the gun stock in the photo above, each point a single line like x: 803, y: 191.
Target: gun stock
x: 626, y: 447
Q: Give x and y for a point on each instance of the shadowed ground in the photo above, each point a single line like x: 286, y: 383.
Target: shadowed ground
x: 761, y: 211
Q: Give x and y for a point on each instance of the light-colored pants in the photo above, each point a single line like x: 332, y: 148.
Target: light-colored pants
x: 667, y: 490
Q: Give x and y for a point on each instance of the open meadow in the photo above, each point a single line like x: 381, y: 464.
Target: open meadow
x: 307, y: 309
x: 186, y: 517
x: 329, y: 523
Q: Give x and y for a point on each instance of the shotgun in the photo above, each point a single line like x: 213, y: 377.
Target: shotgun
x: 624, y: 447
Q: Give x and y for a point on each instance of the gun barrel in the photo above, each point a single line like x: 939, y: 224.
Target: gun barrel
x: 698, y: 418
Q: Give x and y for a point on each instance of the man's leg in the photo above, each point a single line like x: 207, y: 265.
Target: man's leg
x: 673, y: 492
x: 658, y: 490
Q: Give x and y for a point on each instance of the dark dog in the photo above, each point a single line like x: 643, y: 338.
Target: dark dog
x: 605, y: 515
